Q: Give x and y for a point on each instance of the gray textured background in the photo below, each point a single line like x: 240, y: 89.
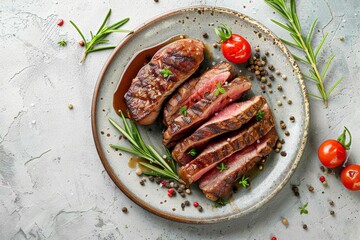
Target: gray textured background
x: 53, y: 185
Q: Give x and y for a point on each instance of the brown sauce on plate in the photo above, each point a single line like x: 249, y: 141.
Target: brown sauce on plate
x: 132, y: 69
x: 135, y: 162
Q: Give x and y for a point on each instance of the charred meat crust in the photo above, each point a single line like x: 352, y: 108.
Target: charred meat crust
x: 150, y: 88
x: 216, y: 184
x: 198, y: 113
x: 193, y: 90
x: 217, y: 151
x: 229, y: 119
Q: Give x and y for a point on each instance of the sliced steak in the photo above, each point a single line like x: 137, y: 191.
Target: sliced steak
x: 227, y: 145
x: 150, y: 87
x: 203, y: 109
x: 216, y: 184
x: 194, y: 90
x: 229, y: 119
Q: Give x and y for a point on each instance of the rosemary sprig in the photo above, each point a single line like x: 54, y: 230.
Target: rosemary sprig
x: 157, y: 165
x: 288, y: 11
x: 62, y: 43
x: 101, y: 34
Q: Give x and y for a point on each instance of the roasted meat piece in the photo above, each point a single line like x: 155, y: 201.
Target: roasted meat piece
x: 167, y: 70
x: 229, y: 119
x: 216, y: 184
x: 194, y: 90
x: 227, y: 145
x: 202, y: 110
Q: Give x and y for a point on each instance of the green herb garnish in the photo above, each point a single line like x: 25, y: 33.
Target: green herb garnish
x: 259, y: 115
x: 288, y: 11
x: 157, y: 165
x: 192, y: 152
x: 101, y: 34
x: 224, y: 32
x: 244, y: 181
x: 62, y: 43
x: 165, y: 72
x: 219, y: 89
x: 182, y: 110
x: 303, y: 209
x: 222, y: 167
x: 220, y: 202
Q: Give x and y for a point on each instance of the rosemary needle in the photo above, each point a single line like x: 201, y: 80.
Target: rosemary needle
x: 157, y: 165
x: 288, y: 11
x: 101, y: 34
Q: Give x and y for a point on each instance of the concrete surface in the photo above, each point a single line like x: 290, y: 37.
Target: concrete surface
x: 53, y: 185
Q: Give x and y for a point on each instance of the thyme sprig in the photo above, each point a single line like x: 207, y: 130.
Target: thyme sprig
x: 101, y: 34
x: 288, y: 11
x: 157, y: 165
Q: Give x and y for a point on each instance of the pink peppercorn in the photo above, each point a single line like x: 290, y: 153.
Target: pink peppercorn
x: 60, y: 22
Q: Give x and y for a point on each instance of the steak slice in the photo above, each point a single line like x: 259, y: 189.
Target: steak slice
x: 217, y: 151
x: 194, y: 90
x: 151, y: 87
x: 216, y: 184
x: 229, y: 119
x: 203, y: 109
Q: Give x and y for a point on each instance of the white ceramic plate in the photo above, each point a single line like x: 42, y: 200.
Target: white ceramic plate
x: 193, y: 22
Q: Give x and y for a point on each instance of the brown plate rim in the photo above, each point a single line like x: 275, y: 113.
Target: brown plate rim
x: 144, y: 204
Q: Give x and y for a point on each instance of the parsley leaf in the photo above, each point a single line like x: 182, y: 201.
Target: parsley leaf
x: 222, y: 167
x: 165, y: 72
x: 182, y: 110
x: 259, y: 115
x: 303, y: 209
x: 62, y: 43
x: 244, y: 181
x: 220, y: 202
x: 192, y: 152
x: 219, y: 89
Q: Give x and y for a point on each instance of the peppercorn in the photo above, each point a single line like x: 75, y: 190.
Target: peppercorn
x: 158, y: 179
x: 283, y: 77
x: 70, y: 106
x: 279, y: 103
x: 289, y: 102
x: 205, y: 35
x: 124, y: 210
x: 292, y: 119
x: 183, y: 206
x: 287, y: 133
x: 138, y: 172
x: 295, y: 189
x: 322, y: 179
x: 332, y: 212
x: 284, y: 221
x: 187, y: 203
x: 196, y: 204
x: 81, y: 43
x: 200, y: 208
x: 283, y: 154
x: 267, y: 53
x: 270, y: 90
x: 277, y: 72
x: 215, y: 45
x: 262, y: 86
x: 271, y: 77
x: 60, y: 22
x: 273, y: 238
x: 305, y: 226
x: 322, y: 168
x: 188, y: 191
x: 257, y: 49
x: 279, y: 145
x: 182, y: 194
x: 331, y: 202
x: 311, y: 188
x: 279, y: 88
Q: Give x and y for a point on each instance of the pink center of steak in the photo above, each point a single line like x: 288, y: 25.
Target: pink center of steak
x: 203, y: 109
x: 229, y: 119
x: 226, y: 146
x: 217, y: 184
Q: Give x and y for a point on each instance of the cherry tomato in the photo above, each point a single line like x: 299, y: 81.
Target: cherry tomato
x: 234, y: 47
x: 350, y: 177
x: 332, y: 153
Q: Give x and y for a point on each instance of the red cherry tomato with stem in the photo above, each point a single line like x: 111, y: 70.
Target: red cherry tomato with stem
x: 234, y: 47
x: 350, y: 177
x: 332, y: 153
